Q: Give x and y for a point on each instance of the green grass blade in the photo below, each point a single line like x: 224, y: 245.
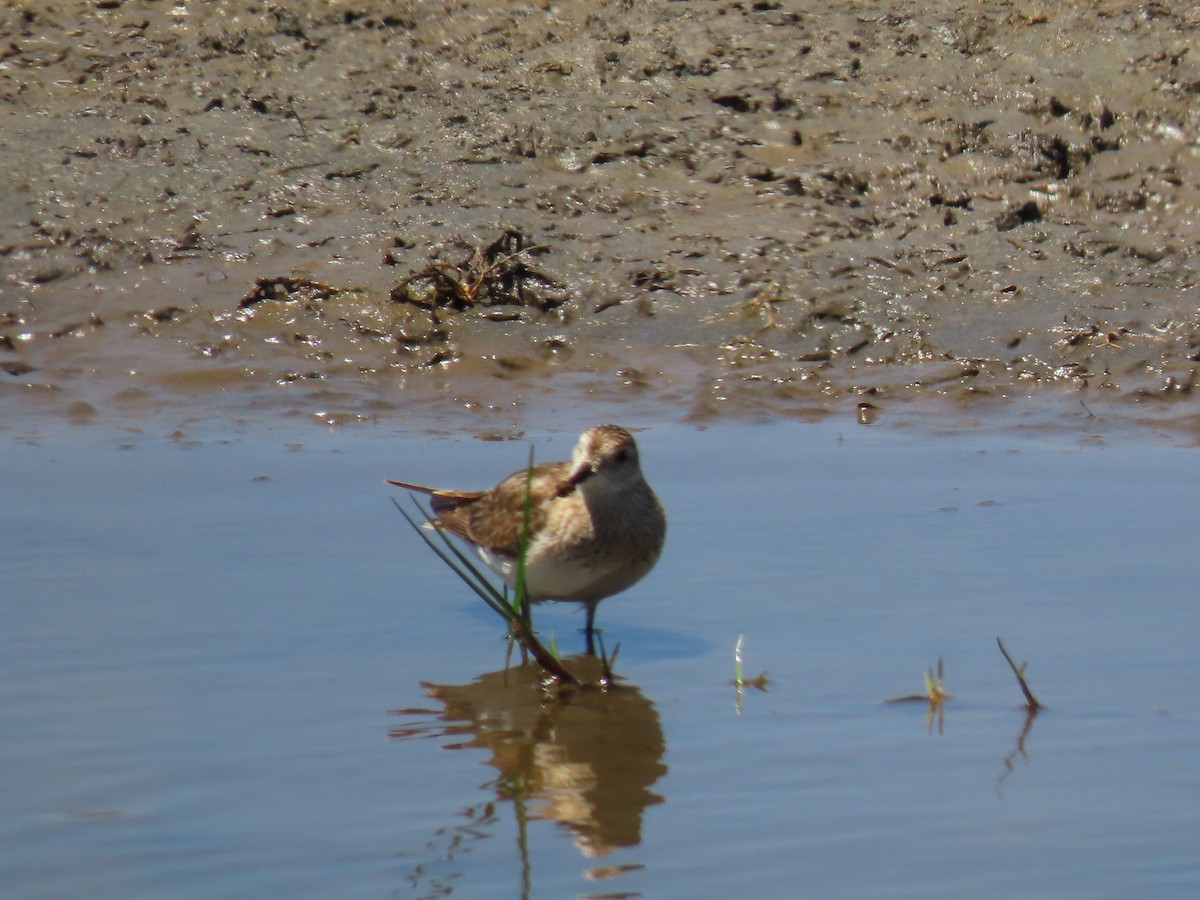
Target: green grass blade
x: 520, y: 595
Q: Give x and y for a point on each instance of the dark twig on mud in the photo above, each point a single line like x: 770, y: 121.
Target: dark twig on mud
x: 285, y: 288
x: 1031, y: 702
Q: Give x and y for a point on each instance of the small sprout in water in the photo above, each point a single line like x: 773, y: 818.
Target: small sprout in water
x: 935, y: 689
x: 760, y: 681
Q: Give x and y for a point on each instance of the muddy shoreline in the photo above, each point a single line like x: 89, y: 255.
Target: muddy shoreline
x: 748, y: 209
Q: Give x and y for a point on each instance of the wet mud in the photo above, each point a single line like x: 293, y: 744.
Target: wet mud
x: 747, y: 208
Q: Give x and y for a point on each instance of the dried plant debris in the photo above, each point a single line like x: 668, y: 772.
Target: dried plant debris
x: 496, y: 275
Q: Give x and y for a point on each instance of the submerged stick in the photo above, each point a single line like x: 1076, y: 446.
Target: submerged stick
x: 1031, y: 702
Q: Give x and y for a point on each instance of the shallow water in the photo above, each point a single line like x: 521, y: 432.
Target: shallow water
x: 227, y: 668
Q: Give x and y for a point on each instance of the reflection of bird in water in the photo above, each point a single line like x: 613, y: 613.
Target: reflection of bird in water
x: 595, y: 526
x: 585, y: 759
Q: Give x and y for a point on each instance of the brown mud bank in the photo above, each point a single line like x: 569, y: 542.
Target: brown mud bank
x: 758, y: 208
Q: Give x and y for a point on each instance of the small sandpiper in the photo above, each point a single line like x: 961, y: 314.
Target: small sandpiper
x: 595, y: 526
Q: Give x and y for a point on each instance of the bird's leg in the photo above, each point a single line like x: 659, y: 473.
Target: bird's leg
x: 590, y: 629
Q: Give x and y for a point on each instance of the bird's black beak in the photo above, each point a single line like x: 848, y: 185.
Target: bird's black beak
x: 580, y: 475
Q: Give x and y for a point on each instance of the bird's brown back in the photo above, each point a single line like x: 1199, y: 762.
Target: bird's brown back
x: 493, y: 518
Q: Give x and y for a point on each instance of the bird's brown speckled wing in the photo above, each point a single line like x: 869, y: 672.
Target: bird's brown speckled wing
x: 493, y: 518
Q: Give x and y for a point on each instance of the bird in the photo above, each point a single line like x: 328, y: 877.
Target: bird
x: 595, y: 526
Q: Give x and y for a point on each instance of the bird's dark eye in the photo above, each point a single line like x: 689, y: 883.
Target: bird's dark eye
x: 622, y: 454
